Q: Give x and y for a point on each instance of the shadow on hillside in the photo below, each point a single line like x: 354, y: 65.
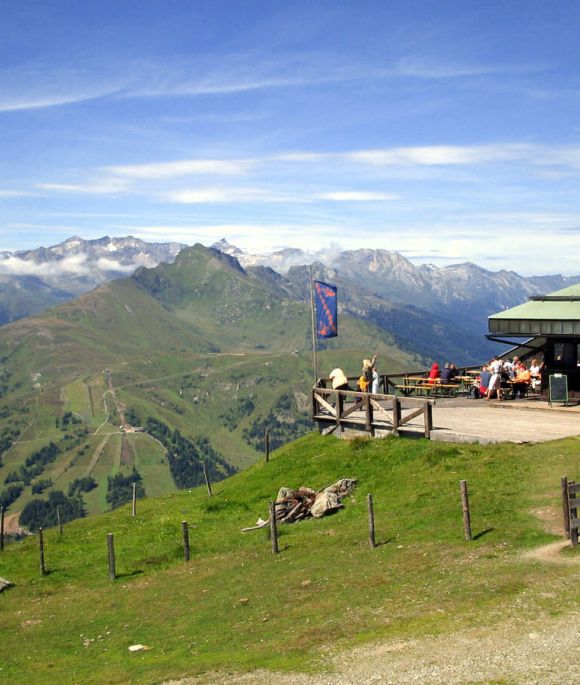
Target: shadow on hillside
x: 129, y: 574
x: 483, y: 532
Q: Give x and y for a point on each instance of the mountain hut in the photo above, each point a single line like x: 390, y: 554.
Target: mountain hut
x: 550, y: 325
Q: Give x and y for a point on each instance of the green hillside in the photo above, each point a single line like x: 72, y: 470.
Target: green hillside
x: 201, y: 353
x: 235, y: 606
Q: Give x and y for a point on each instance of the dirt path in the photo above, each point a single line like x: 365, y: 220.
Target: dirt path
x: 96, y: 456
x: 543, y: 652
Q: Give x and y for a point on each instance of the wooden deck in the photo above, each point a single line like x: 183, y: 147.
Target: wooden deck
x: 478, y: 421
x: 510, y: 421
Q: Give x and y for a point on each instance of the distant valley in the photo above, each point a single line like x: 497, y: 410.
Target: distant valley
x: 191, y: 358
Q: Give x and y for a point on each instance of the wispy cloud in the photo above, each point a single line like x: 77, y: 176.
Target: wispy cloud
x: 356, y: 196
x: 12, y: 193
x: 440, y: 155
x: 104, y: 186
x: 419, y: 67
x: 221, y: 195
x: 186, y: 167
x: 38, y: 86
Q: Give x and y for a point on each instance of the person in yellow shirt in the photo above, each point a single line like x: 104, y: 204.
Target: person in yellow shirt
x: 521, y: 382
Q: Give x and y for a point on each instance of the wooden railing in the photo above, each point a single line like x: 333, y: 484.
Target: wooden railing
x: 368, y: 412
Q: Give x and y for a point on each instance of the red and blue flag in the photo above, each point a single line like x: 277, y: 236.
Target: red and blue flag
x: 326, y: 310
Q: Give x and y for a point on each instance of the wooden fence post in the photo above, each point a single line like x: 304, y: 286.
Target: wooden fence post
x: 111, y: 551
x: 185, y: 531
x: 267, y: 444
x: 428, y: 411
x: 372, y: 543
x: 1, y: 528
x: 466, y: 514
x: 369, y: 415
x: 273, y: 529
x: 339, y: 408
x: 207, y: 483
x: 134, y: 500
x: 59, y: 520
x: 573, y: 504
x: 396, y: 415
x: 41, y: 552
x: 565, y: 505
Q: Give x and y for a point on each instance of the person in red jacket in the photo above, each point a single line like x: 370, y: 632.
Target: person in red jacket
x: 434, y: 373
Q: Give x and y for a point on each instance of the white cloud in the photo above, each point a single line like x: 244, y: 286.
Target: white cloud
x: 75, y: 264
x: 37, y: 86
x: 112, y: 265
x: 182, y: 168
x: 106, y: 186
x: 440, y: 155
x: 222, y: 195
x: 356, y: 196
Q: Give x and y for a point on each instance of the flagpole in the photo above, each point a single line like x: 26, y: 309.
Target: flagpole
x: 314, y: 337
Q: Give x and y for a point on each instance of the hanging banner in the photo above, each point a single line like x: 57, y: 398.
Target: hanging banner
x: 326, y: 310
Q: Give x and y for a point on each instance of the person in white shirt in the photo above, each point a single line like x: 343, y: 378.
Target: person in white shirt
x: 496, y: 367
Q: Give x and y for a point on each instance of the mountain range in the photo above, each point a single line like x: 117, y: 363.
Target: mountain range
x: 155, y: 375
x: 205, y: 349
x: 31, y: 281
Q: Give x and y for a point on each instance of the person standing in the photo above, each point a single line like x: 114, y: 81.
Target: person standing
x: 495, y: 367
x: 367, y: 369
x: 375, y: 383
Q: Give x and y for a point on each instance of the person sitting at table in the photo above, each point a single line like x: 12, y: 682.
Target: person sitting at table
x: 536, y: 374
x: 454, y: 372
x: 521, y: 382
x: 434, y: 373
x: 446, y: 375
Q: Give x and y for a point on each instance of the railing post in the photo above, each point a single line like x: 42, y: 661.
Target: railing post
x: 428, y: 416
x: 59, y: 520
x: 339, y: 407
x: 369, y: 415
x: 267, y: 444
x: 396, y: 415
x: 134, y: 500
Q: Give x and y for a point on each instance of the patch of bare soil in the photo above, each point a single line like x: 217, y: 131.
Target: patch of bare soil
x: 11, y: 525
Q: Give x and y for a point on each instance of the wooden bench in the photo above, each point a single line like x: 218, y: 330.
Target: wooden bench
x: 408, y: 389
x: 445, y: 389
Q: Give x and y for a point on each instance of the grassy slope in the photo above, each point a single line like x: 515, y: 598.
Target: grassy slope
x: 423, y: 578
x: 158, y: 334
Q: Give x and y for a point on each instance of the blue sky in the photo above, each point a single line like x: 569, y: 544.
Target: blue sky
x: 445, y: 130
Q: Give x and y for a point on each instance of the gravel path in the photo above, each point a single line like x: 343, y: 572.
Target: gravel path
x: 543, y: 652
